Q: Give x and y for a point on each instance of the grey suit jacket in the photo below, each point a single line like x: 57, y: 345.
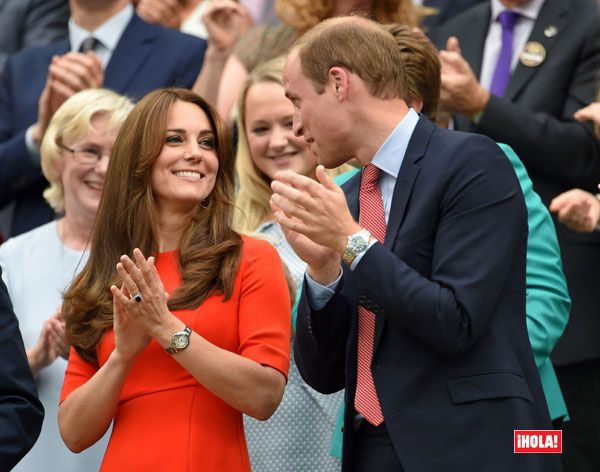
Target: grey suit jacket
x: 25, y: 23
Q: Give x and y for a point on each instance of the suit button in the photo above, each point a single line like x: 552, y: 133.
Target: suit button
x: 362, y: 299
x: 382, y: 313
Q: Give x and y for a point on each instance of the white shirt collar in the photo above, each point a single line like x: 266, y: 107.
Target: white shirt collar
x: 108, y: 33
x: 530, y: 10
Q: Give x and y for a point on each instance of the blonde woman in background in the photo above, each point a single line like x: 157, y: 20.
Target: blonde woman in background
x: 37, y: 266
x: 298, y: 436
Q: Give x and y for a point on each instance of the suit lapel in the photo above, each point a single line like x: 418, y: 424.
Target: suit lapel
x: 59, y: 48
x: 130, y: 54
x: 402, y: 192
x: 405, y: 181
x: 472, y: 40
x: 351, y: 189
x: 553, y: 13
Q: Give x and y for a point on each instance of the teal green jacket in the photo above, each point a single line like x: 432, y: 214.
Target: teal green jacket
x: 547, y: 303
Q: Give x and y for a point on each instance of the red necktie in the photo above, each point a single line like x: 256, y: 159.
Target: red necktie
x: 372, y: 217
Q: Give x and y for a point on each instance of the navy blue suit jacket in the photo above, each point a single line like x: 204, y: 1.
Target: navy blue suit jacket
x: 147, y: 57
x: 21, y: 413
x: 452, y: 363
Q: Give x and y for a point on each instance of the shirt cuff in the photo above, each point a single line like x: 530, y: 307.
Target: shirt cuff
x: 360, y: 256
x: 32, y: 148
x: 318, y: 295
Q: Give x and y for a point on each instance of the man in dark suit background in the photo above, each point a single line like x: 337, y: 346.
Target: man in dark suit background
x: 424, y: 322
x: 26, y: 23
x: 21, y: 413
x: 445, y: 9
x: 553, y: 71
x: 126, y: 55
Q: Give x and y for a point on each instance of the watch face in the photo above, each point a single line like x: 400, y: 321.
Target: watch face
x: 180, y: 341
x: 357, y: 244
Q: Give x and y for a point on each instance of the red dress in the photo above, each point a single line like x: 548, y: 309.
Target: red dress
x: 165, y: 419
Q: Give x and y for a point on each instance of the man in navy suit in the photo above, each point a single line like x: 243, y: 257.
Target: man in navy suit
x: 126, y: 55
x: 414, y: 298
x: 21, y: 412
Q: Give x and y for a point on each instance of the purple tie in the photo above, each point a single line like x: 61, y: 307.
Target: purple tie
x: 502, y: 73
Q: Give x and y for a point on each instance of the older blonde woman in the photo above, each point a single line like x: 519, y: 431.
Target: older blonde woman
x: 298, y: 436
x: 38, y: 265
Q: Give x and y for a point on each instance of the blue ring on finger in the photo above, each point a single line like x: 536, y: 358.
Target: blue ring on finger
x: 137, y: 297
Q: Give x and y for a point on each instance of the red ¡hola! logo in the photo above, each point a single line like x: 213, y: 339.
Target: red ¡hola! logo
x: 538, y: 440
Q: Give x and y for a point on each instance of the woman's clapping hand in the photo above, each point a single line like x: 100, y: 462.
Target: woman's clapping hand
x: 138, y: 318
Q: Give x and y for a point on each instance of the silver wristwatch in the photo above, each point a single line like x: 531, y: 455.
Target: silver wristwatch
x: 180, y: 341
x: 357, y: 243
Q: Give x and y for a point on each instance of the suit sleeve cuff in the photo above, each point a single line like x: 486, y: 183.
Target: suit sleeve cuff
x: 318, y: 295
x: 360, y: 256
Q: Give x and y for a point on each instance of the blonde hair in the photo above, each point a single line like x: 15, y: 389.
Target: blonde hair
x: 302, y: 15
x: 72, y: 121
x: 254, y: 190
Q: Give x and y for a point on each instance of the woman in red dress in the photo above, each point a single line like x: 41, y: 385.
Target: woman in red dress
x: 173, y: 347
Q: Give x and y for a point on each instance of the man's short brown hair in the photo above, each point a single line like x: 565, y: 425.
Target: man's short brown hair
x: 421, y: 67
x: 360, y: 46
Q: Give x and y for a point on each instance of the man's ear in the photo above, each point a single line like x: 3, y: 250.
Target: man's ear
x: 416, y: 104
x: 340, y: 81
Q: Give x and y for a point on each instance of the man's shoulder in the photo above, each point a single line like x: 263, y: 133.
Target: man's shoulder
x: 471, y: 16
x: 453, y: 139
x: 35, y: 53
x: 35, y: 238
x: 456, y: 149
x: 583, y: 15
x: 28, y: 68
x: 166, y: 36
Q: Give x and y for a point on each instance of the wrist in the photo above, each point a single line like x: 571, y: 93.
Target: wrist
x: 482, y: 97
x: 325, y: 274
x: 37, y: 135
x: 117, y: 359
x: 34, y: 359
x: 357, y: 244
x: 163, y: 333
x: 217, y: 55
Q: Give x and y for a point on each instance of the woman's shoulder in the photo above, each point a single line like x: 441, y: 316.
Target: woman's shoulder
x: 252, y: 245
x: 35, y: 238
x: 257, y: 251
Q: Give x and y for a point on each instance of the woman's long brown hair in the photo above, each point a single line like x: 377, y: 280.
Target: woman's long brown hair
x: 209, y: 249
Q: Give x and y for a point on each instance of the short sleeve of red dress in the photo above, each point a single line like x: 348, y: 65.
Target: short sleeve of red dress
x: 264, y: 333
x: 78, y: 372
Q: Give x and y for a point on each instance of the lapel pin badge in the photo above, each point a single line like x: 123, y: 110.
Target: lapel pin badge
x: 533, y: 54
x: 550, y: 31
